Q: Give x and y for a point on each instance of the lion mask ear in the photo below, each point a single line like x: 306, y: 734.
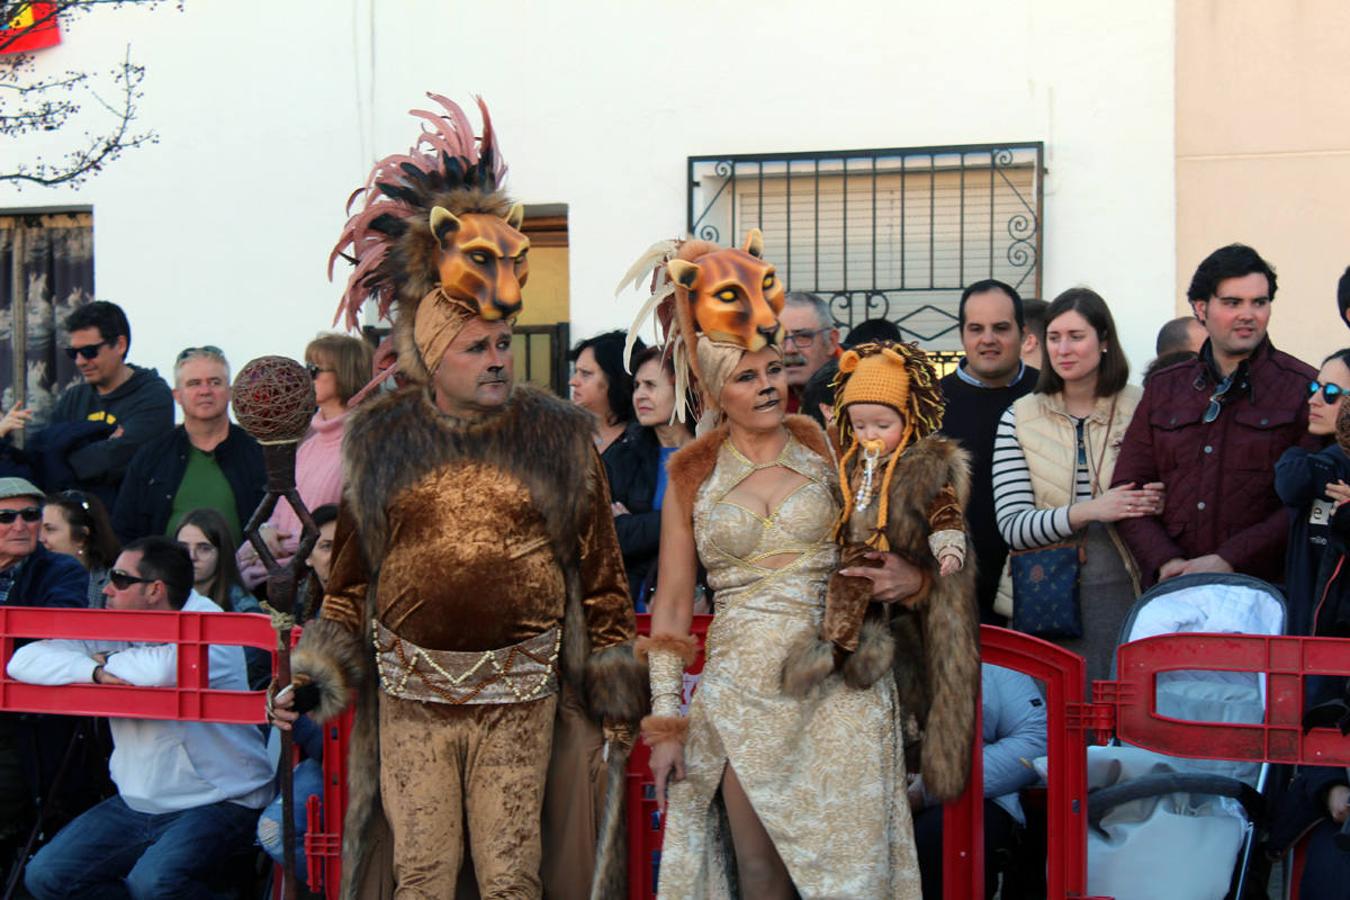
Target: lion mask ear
x: 893, y: 356
x: 443, y: 224
x: 516, y: 217
x: 684, y: 272
x: 754, y: 243
x: 848, y: 362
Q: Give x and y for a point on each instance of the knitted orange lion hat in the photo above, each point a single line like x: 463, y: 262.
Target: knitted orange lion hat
x: 890, y: 374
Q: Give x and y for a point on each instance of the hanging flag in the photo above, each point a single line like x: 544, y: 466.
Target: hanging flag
x: 33, y: 28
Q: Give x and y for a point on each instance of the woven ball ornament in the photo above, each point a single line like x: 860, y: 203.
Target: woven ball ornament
x: 274, y: 399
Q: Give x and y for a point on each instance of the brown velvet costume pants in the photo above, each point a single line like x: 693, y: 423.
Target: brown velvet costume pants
x: 443, y: 768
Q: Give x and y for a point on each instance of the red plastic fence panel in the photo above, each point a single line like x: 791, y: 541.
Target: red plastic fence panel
x: 323, y: 832
x: 191, y: 700
x: 1063, y: 673
x: 1280, y: 739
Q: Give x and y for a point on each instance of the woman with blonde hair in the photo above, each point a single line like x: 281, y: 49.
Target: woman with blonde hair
x: 775, y: 795
x: 340, y: 366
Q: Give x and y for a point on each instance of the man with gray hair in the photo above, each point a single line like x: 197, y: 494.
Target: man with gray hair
x: 205, y: 462
x: 809, y: 341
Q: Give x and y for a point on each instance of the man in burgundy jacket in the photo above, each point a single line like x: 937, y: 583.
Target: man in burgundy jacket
x: 1211, y: 430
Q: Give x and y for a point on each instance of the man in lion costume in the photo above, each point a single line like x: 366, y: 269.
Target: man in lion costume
x: 477, y: 605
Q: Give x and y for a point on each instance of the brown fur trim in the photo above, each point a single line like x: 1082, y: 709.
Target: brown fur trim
x: 876, y: 651
x: 658, y: 729
x: 937, y: 654
x: 616, y: 685
x: 537, y: 438
x: 364, y: 822
x: 809, y: 433
x: 694, y: 462
x: 809, y: 661
x: 333, y: 660
x: 691, y: 465
x: 685, y: 646
x: 610, y: 876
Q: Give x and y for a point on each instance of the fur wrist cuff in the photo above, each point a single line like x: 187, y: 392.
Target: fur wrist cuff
x: 684, y: 646
x: 658, y: 729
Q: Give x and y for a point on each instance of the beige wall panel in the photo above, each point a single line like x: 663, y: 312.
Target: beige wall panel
x: 545, y: 292
x: 1294, y: 211
x: 1262, y: 76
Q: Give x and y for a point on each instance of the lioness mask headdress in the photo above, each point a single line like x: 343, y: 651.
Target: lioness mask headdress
x: 436, y: 239
x: 712, y: 304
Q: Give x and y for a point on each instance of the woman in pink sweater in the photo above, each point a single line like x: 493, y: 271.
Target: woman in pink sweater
x: 340, y: 366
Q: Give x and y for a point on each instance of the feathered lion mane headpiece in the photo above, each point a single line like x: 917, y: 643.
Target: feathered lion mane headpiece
x: 389, y: 239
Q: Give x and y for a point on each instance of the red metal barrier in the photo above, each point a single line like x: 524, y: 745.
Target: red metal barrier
x: 1128, y: 704
x: 1125, y: 707
x: 191, y: 700
x: 1069, y: 719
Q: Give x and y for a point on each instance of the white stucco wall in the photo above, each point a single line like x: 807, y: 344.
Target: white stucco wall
x: 270, y: 114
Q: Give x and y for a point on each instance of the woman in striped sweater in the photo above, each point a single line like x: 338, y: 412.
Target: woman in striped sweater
x: 1053, y: 456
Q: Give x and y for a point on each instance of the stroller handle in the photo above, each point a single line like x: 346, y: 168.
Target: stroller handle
x: 1103, y: 800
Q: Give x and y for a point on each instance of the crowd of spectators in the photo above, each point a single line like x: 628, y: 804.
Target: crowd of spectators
x: 1227, y: 460
x: 112, y: 505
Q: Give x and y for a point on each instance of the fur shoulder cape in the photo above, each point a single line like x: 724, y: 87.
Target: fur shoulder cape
x: 396, y: 441
x: 691, y: 465
x: 937, y: 652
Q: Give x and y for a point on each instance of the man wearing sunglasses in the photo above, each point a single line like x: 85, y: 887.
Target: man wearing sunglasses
x: 1212, y: 428
x: 30, y: 575
x: 188, y: 793
x: 132, y: 404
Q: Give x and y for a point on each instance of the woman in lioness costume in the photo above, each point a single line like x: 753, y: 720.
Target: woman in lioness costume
x: 811, y: 792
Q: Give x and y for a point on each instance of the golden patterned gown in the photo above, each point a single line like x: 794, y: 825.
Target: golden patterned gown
x: 825, y: 775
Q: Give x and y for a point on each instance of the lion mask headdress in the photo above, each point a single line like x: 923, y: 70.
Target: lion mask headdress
x: 436, y: 239
x: 712, y: 305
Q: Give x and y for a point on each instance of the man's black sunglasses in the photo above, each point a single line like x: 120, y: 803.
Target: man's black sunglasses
x: 88, y: 351
x: 1330, y: 392
x: 29, y: 514
x: 123, y: 580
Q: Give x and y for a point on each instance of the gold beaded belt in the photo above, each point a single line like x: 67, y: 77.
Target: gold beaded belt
x: 516, y: 674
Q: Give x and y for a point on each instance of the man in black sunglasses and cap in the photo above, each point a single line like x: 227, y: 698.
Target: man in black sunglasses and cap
x: 132, y: 404
x: 30, y: 575
x: 1212, y: 428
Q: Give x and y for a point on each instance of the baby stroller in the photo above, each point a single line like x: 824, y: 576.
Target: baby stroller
x: 1169, y: 828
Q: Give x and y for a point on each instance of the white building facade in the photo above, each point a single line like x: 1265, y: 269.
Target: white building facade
x: 269, y: 115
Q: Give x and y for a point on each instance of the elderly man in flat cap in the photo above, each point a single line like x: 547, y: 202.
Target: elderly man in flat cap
x: 30, y: 575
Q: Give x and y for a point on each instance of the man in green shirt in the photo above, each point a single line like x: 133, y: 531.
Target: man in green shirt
x: 205, y: 462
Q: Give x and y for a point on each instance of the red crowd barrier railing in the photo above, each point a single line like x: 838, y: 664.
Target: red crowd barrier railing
x: 1285, y: 661
x: 1124, y: 707
x: 1069, y: 720
x: 192, y: 699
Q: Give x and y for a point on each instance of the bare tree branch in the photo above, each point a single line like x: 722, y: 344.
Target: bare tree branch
x: 31, y: 105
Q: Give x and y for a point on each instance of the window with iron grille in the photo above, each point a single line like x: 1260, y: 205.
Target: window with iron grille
x: 890, y: 234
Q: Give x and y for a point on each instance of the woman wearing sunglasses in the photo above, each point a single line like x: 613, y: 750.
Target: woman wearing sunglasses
x: 340, y: 366
x: 76, y: 524
x: 1315, y: 486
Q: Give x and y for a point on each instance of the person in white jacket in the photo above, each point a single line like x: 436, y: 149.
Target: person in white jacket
x: 188, y: 793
